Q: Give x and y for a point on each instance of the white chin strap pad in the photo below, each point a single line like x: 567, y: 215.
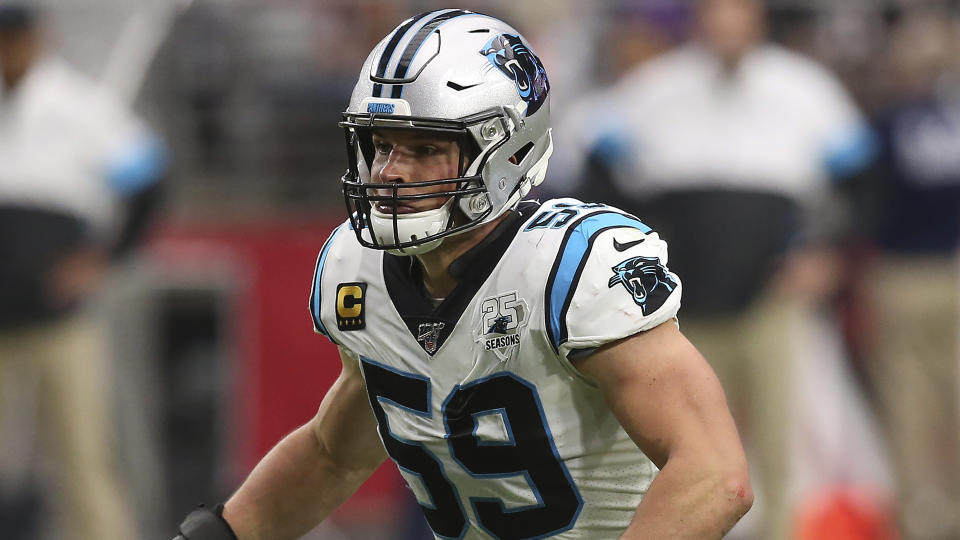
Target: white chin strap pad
x: 410, y: 228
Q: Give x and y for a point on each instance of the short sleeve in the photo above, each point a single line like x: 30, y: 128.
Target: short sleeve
x: 316, y: 288
x: 128, y: 154
x: 611, y: 281
x: 848, y: 143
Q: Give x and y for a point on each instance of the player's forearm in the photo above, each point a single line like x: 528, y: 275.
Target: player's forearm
x: 692, y: 500
x: 291, y: 490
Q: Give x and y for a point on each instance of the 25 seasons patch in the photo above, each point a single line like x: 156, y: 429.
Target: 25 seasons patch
x: 502, y: 320
x: 351, y: 298
x: 501, y: 341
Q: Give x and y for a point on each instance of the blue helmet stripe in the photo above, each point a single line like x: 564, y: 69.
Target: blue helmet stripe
x: 389, y: 49
x: 569, y: 265
x: 421, y: 36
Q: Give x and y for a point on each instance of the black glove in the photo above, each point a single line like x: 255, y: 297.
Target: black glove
x: 204, y: 524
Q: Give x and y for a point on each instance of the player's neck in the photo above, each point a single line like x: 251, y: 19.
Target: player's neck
x: 436, y: 263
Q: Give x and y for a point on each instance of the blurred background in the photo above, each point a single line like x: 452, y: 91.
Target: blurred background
x: 801, y: 157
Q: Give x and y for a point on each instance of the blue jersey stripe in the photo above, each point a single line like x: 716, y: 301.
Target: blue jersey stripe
x: 315, y: 293
x: 569, y: 264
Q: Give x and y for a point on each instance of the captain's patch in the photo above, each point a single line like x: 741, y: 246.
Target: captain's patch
x: 351, y: 298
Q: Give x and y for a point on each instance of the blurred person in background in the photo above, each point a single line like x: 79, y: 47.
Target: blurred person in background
x: 582, y: 413
x: 728, y: 146
x: 631, y: 34
x: 915, y: 209
x: 78, y: 179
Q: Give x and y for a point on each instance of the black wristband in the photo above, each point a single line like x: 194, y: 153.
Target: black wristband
x: 204, y: 524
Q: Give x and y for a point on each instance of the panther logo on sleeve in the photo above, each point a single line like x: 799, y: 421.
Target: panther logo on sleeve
x: 646, y: 279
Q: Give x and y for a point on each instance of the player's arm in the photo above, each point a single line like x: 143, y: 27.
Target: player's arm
x: 313, y: 470
x: 670, y: 402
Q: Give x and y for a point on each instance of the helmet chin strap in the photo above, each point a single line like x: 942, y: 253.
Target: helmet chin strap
x: 410, y: 227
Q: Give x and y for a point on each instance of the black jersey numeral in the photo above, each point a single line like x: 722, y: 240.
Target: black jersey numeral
x: 530, y: 451
x: 411, y: 392
x: 527, y: 450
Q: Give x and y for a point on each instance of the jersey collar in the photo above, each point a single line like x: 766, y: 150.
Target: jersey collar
x: 404, y: 281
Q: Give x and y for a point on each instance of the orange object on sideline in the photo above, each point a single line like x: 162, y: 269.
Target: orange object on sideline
x: 846, y: 513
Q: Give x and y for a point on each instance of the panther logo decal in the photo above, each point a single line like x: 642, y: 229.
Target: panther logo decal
x: 499, y: 325
x: 503, y: 318
x: 646, y: 279
x: 515, y: 60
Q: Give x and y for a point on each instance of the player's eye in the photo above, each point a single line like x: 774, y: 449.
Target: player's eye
x: 428, y: 150
x: 382, y: 147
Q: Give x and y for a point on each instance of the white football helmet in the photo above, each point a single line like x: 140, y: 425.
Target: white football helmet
x: 455, y: 72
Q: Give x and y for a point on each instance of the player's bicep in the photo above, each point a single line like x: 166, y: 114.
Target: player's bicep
x: 345, y: 427
x: 665, y: 395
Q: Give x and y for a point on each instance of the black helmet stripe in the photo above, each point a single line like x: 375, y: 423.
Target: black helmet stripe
x: 415, y: 44
x: 388, y: 50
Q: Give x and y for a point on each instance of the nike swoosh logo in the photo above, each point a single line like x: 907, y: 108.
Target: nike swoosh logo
x: 623, y: 247
x: 459, y: 87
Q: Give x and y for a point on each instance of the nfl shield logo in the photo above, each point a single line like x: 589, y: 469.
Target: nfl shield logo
x: 428, y: 335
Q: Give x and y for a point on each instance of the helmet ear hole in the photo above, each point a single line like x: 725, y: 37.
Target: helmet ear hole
x: 518, y: 156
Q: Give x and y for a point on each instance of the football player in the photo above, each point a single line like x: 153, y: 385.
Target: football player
x: 520, y: 362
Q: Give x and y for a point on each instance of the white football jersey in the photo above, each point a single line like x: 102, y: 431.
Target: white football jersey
x: 493, y: 429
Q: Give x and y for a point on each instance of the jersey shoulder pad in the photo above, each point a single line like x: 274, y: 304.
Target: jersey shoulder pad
x: 558, y: 214
x: 609, y: 280
x: 338, y: 246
